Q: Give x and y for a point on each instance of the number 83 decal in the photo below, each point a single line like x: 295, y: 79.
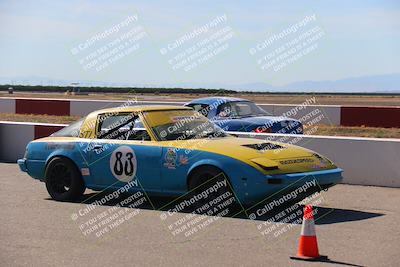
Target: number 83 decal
x: 123, y: 163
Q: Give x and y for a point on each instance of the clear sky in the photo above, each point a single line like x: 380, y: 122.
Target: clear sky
x: 360, y: 37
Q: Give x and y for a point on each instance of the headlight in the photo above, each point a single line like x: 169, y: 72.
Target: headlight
x: 323, y: 159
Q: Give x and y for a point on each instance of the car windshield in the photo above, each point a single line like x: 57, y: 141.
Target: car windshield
x: 240, y: 109
x: 181, y: 125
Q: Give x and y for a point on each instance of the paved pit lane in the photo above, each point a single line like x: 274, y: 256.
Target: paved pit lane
x: 358, y: 226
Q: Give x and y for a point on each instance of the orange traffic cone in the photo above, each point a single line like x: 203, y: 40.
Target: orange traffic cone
x: 308, y: 246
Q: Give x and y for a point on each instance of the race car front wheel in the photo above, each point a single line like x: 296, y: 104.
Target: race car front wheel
x: 63, y: 180
x: 210, y: 190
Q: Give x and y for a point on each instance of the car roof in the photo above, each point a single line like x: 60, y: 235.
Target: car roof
x: 140, y: 108
x: 212, y: 100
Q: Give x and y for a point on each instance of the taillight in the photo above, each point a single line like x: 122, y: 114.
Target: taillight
x: 263, y: 129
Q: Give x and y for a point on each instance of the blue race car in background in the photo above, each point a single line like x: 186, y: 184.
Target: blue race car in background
x: 241, y: 115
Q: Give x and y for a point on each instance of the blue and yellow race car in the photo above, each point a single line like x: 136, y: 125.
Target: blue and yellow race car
x: 167, y: 150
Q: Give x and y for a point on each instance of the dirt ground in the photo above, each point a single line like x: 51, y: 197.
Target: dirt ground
x: 259, y: 98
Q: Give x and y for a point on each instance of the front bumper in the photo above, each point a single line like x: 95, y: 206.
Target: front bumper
x: 332, y: 176
x: 281, y: 184
x: 22, y: 165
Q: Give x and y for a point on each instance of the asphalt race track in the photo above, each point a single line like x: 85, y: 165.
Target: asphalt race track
x: 359, y: 227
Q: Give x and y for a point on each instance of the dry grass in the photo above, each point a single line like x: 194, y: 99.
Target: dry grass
x: 259, y: 98
x: 318, y: 130
x: 354, y: 131
x: 38, y: 118
x: 351, y: 100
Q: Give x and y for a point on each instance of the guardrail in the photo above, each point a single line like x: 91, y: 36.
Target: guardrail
x: 333, y: 114
x: 14, y: 136
x: 365, y: 161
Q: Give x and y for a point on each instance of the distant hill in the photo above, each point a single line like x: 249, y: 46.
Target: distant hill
x: 369, y: 84
x: 389, y: 83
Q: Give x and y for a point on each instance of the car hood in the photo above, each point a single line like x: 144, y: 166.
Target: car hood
x: 267, y: 156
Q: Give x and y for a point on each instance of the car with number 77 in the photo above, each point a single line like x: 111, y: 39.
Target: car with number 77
x: 169, y: 151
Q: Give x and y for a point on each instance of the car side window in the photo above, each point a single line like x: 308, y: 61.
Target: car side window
x: 122, y: 126
x: 137, y: 131
x: 226, y: 110
x: 201, y: 108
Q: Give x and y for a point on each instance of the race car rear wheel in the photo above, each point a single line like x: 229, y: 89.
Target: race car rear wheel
x: 63, y: 180
x: 200, y: 184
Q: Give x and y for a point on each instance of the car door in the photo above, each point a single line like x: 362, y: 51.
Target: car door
x: 123, y: 152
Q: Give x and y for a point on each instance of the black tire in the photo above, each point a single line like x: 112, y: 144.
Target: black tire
x: 202, y: 179
x: 63, y: 180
